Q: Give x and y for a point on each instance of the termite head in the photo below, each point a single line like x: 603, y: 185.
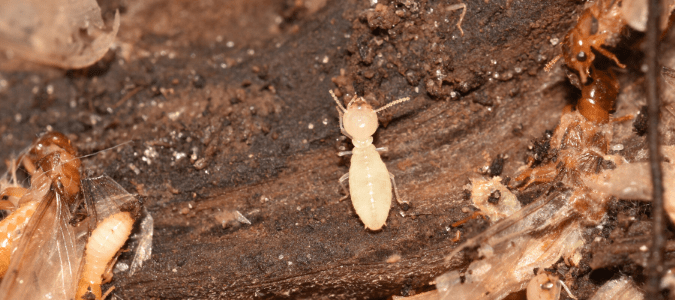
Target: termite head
x: 50, y: 142
x: 577, y: 45
x: 360, y: 120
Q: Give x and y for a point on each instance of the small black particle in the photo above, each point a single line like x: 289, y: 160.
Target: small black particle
x: 496, y: 166
x: 199, y: 81
x: 494, y: 197
x: 640, y: 125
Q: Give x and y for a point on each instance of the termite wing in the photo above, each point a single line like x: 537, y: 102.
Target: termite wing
x: 534, y: 237
x: 50, y: 257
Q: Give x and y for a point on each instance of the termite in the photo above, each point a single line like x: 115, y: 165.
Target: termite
x: 370, y: 183
x: 50, y: 159
x: 42, y: 264
x: 599, y: 24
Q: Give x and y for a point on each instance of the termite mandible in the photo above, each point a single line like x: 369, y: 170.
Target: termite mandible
x: 370, y: 183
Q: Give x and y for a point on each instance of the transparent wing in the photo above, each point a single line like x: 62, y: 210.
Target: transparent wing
x: 46, y: 262
x: 109, y: 197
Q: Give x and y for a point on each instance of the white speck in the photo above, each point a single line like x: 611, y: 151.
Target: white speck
x: 518, y: 70
x: 492, y: 61
x: 325, y: 60
x: 290, y: 263
x: 179, y: 155
x: 281, y: 256
x: 18, y: 117
x: 417, y: 89
x: 121, y: 267
x: 644, y: 68
x: 219, y: 38
x: 223, y: 65
x: 324, y: 122
x: 617, y: 147
x: 135, y: 169
x: 250, y: 52
x: 50, y: 89
x: 373, y: 2
x: 554, y: 41
x: 496, y: 75
x: 643, y: 248
x: 310, y: 126
x: 229, y: 44
x: 174, y: 270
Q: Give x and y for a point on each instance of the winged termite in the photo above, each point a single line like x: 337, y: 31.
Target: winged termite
x: 59, y: 253
x: 52, y: 164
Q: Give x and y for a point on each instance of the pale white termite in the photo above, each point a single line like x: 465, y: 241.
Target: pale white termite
x: 103, y: 245
x: 370, y: 183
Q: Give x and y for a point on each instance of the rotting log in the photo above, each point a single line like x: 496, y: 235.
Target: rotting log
x: 252, y: 128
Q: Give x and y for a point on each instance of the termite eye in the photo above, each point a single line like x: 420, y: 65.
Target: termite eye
x: 5, y: 197
x: 581, y: 56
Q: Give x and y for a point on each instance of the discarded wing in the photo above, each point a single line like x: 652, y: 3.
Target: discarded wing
x: 63, y: 33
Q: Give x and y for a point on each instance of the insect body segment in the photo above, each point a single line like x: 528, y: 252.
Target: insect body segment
x: 10, y: 230
x: 600, y: 24
x: 104, y: 243
x: 370, y: 183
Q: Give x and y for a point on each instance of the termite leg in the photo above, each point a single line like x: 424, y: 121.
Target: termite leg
x: 461, y: 6
x: 7, y: 205
x: 611, y: 56
x: 29, y: 165
x: 342, y: 184
x: 108, y: 292
x: 344, y: 153
x: 551, y: 63
x: 404, y: 204
x: 382, y: 149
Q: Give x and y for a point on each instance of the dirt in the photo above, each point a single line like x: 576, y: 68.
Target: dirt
x: 206, y: 107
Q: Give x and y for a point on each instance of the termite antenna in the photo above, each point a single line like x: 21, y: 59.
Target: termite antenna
x: 106, y: 149
x: 569, y: 293
x: 392, y: 104
x: 459, y: 6
x: 340, y: 106
x: 551, y: 63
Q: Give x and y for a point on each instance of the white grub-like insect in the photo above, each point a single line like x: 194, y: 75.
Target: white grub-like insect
x: 370, y: 183
x: 116, y: 212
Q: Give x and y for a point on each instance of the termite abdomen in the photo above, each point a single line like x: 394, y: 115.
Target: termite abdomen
x: 598, y: 96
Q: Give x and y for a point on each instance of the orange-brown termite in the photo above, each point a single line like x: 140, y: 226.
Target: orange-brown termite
x: 370, y: 183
